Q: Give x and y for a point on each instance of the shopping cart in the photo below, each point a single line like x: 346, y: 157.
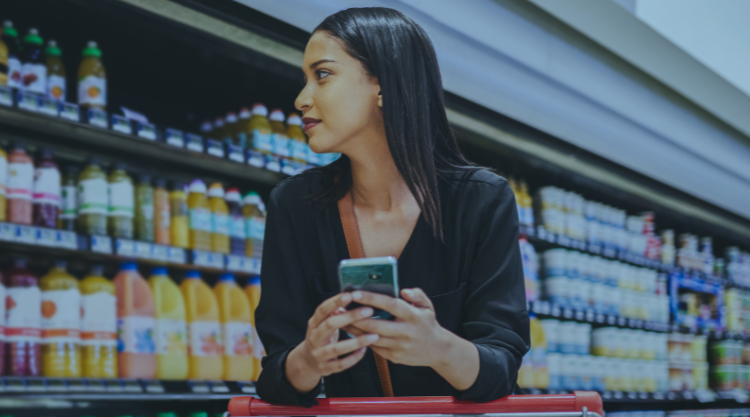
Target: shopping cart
x: 578, y: 404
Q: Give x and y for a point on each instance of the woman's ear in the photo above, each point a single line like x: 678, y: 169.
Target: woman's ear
x: 380, y: 99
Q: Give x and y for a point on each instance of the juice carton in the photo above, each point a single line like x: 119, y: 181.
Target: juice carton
x: 236, y: 323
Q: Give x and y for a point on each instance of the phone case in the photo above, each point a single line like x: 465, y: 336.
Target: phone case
x: 378, y: 275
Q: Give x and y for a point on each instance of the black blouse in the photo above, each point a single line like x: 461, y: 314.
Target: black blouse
x: 474, y: 279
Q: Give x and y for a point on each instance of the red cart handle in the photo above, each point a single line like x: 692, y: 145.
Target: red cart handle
x: 250, y: 406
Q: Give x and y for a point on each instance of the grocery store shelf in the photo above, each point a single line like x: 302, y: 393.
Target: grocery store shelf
x: 545, y: 309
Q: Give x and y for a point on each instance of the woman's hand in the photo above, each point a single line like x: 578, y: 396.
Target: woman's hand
x: 319, y: 354
x: 416, y: 338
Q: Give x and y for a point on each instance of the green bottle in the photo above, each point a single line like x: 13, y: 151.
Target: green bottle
x: 92, y: 199
x: 120, y: 223
x: 144, y: 209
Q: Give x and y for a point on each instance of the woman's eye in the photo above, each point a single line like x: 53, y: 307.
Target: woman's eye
x: 322, y: 74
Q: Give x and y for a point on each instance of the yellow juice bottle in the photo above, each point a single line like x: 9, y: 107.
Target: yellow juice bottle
x: 297, y: 139
x: 526, y: 203
x: 200, y: 216
x: 260, y: 130
x: 98, y: 325
x: 219, y: 219
x: 179, y: 226
x: 3, y: 183
x: 255, y: 228
x: 171, y: 328
x: 252, y: 291
x: 237, y: 329
x: 61, y: 323
x: 205, y: 347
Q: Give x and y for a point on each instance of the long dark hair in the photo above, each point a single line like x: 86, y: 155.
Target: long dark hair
x: 397, y: 51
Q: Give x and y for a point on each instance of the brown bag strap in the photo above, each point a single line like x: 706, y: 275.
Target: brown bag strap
x: 356, y: 250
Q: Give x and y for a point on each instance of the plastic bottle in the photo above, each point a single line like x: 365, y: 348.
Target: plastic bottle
x: 3, y: 65
x: 93, y: 199
x: 279, y: 137
x: 252, y: 291
x: 34, y: 72
x: 162, y: 213
x: 121, y: 203
x: 260, y: 130
x: 236, y: 222
x: 23, y: 326
x: 204, y: 331
x: 243, y: 128
x: 237, y: 329
x: 200, y: 216
x: 15, y: 69
x: 207, y: 129
x: 171, y: 328
x: 526, y: 204
x: 61, y: 323
x: 255, y: 224
x: 68, y: 200
x: 92, y: 79
x: 55, y: 72
x: 179, y: 224
x: 3, y: 186
x: 46, y: 197
x: 218, y: 131
x: 2, y: 323
x: 219, y: 219
x: 230, y: 128
x: 297, y: 139
x: 135, y: 324
x: 144, y: 209
x: 98, y: 325
x: 20, y: 185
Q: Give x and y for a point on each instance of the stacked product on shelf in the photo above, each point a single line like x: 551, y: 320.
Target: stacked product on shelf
x: 58, y: 326
x: 737, y: 307
x: 688, y: 365
x: 738, y: 266
x: 730, y: 365
x: 524, y: 202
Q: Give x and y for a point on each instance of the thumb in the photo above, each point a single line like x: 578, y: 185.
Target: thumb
x: 417, y: 297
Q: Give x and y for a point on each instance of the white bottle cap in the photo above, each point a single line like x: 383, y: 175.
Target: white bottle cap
x: 277, y: 115
x: 219, y: 122
x: 92, y: 44
x: 244, y: 113
x: 206, y: 126
x: 231, y: 118
x: 232, y: 195
x: 259, y: 110
x: 33, y: 31
x: 252, y: 199
x: 294, y: 119
x: 216, y: 190
x: 197, y: 186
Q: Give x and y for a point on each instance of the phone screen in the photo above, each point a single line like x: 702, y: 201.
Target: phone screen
x: 378, y: 275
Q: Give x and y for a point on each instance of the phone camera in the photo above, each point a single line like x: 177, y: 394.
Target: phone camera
x: 374, y: 276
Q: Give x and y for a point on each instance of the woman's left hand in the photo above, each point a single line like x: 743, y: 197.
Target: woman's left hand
x: 414, y: 338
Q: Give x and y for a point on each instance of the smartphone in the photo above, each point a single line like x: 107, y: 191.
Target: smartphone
x: 378, y: 275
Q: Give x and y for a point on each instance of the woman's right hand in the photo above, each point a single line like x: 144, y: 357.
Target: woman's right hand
x: 320, y: 353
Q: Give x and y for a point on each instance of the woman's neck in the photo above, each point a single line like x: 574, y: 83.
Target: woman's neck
x: 376, y: 182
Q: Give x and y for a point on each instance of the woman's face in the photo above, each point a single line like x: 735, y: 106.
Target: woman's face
x: 340, y: 103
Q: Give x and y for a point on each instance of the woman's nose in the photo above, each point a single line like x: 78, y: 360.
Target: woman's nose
x: 303, y: 102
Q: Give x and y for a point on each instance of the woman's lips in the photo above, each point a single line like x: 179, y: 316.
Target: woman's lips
x: 310, y: 123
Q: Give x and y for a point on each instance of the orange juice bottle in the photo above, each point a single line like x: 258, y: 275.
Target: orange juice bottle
x: 252, y: 291
x: 179, y: 226
x: 98, y: 325
x: 61, y: 323
x: 171, y: 328
x: 135, y: 324
x: 236, y: 323
x: 219, y: 219
x: 200, y: 216
x: 3, y: 183
x: 204, y: 331
x: 255, y: 228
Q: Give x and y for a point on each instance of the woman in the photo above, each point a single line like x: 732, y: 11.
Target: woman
x: 373, y: 92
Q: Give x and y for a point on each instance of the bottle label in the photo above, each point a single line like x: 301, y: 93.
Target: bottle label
x: 92, y: 196
x: 258, y: 350
x: 299, y: 150
x: 237, y: 227
x: 99, y: 322
x: 200, y: 219
x: 23, y: 314
x: 238, y: 339
x: 147, y: 212
x: 121, y: 199
x: 205, y: 338
x: 56, y: 87
x: 20, y: 180
x: 164, y: 215
x: 2, y: 312
x: 171, y: 337
x: 14, y: 72
x: 47, y: 186
x: 280, y: 144
x: 262, y: 141
x: 256, y: 228
x: 61, y: 316
x: 34, y: 77
x: 68, y: 201
x: 92, y: 90
x: 135, y: 334
x: 3, y: 175
x: 220, y: 223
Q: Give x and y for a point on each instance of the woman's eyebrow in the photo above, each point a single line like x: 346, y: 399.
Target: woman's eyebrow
x: 320, y: 61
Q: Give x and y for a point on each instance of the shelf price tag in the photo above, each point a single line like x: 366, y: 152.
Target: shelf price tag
x: 247, y: 387
x: 35, y: 384
x: 234, y: 263
x: 199, y: 387
x: 114, y: 385
x: 215, y: 148
x: 153, y: 386
x: 146, y: 131
x: 273, y: 163
x: 159, y: 253
x: 175, y: 137
x: 251, y: 265
x: 76, y: 385
x: 70, y: 112
x: 125, y: 247
x: 208, y: 259
x: 131, y: 385
x: 56, y: 385
x: 6, y: 96
x: 122, y: 125
x: 194, y: 142
x: 256, y: 159
x: 94, y: 385
x: 175, y: 255
x: 218, y: 387
x: 25, y: 234
x: 28, y: 101
x: 49, y: 106
x: 46, y: 237
x: 98, y: 118
x: 287, y: 167
x: 101, y: 244
x: 236, y: 154
x: 7, y: 232
x: 142, y: 250
x: 67, y: 240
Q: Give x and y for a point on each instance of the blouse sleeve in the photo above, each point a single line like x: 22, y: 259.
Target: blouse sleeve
x: 282, y: 314
x: 496, y: 320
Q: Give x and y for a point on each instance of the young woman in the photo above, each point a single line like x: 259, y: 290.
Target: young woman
x: 373, y: 92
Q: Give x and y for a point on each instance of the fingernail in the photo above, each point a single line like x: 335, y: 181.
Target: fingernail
x: 346, y: 298
x: 373, y: 338
x: 409, y: 293
x: 366, y: 312
x: 357, y: 295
